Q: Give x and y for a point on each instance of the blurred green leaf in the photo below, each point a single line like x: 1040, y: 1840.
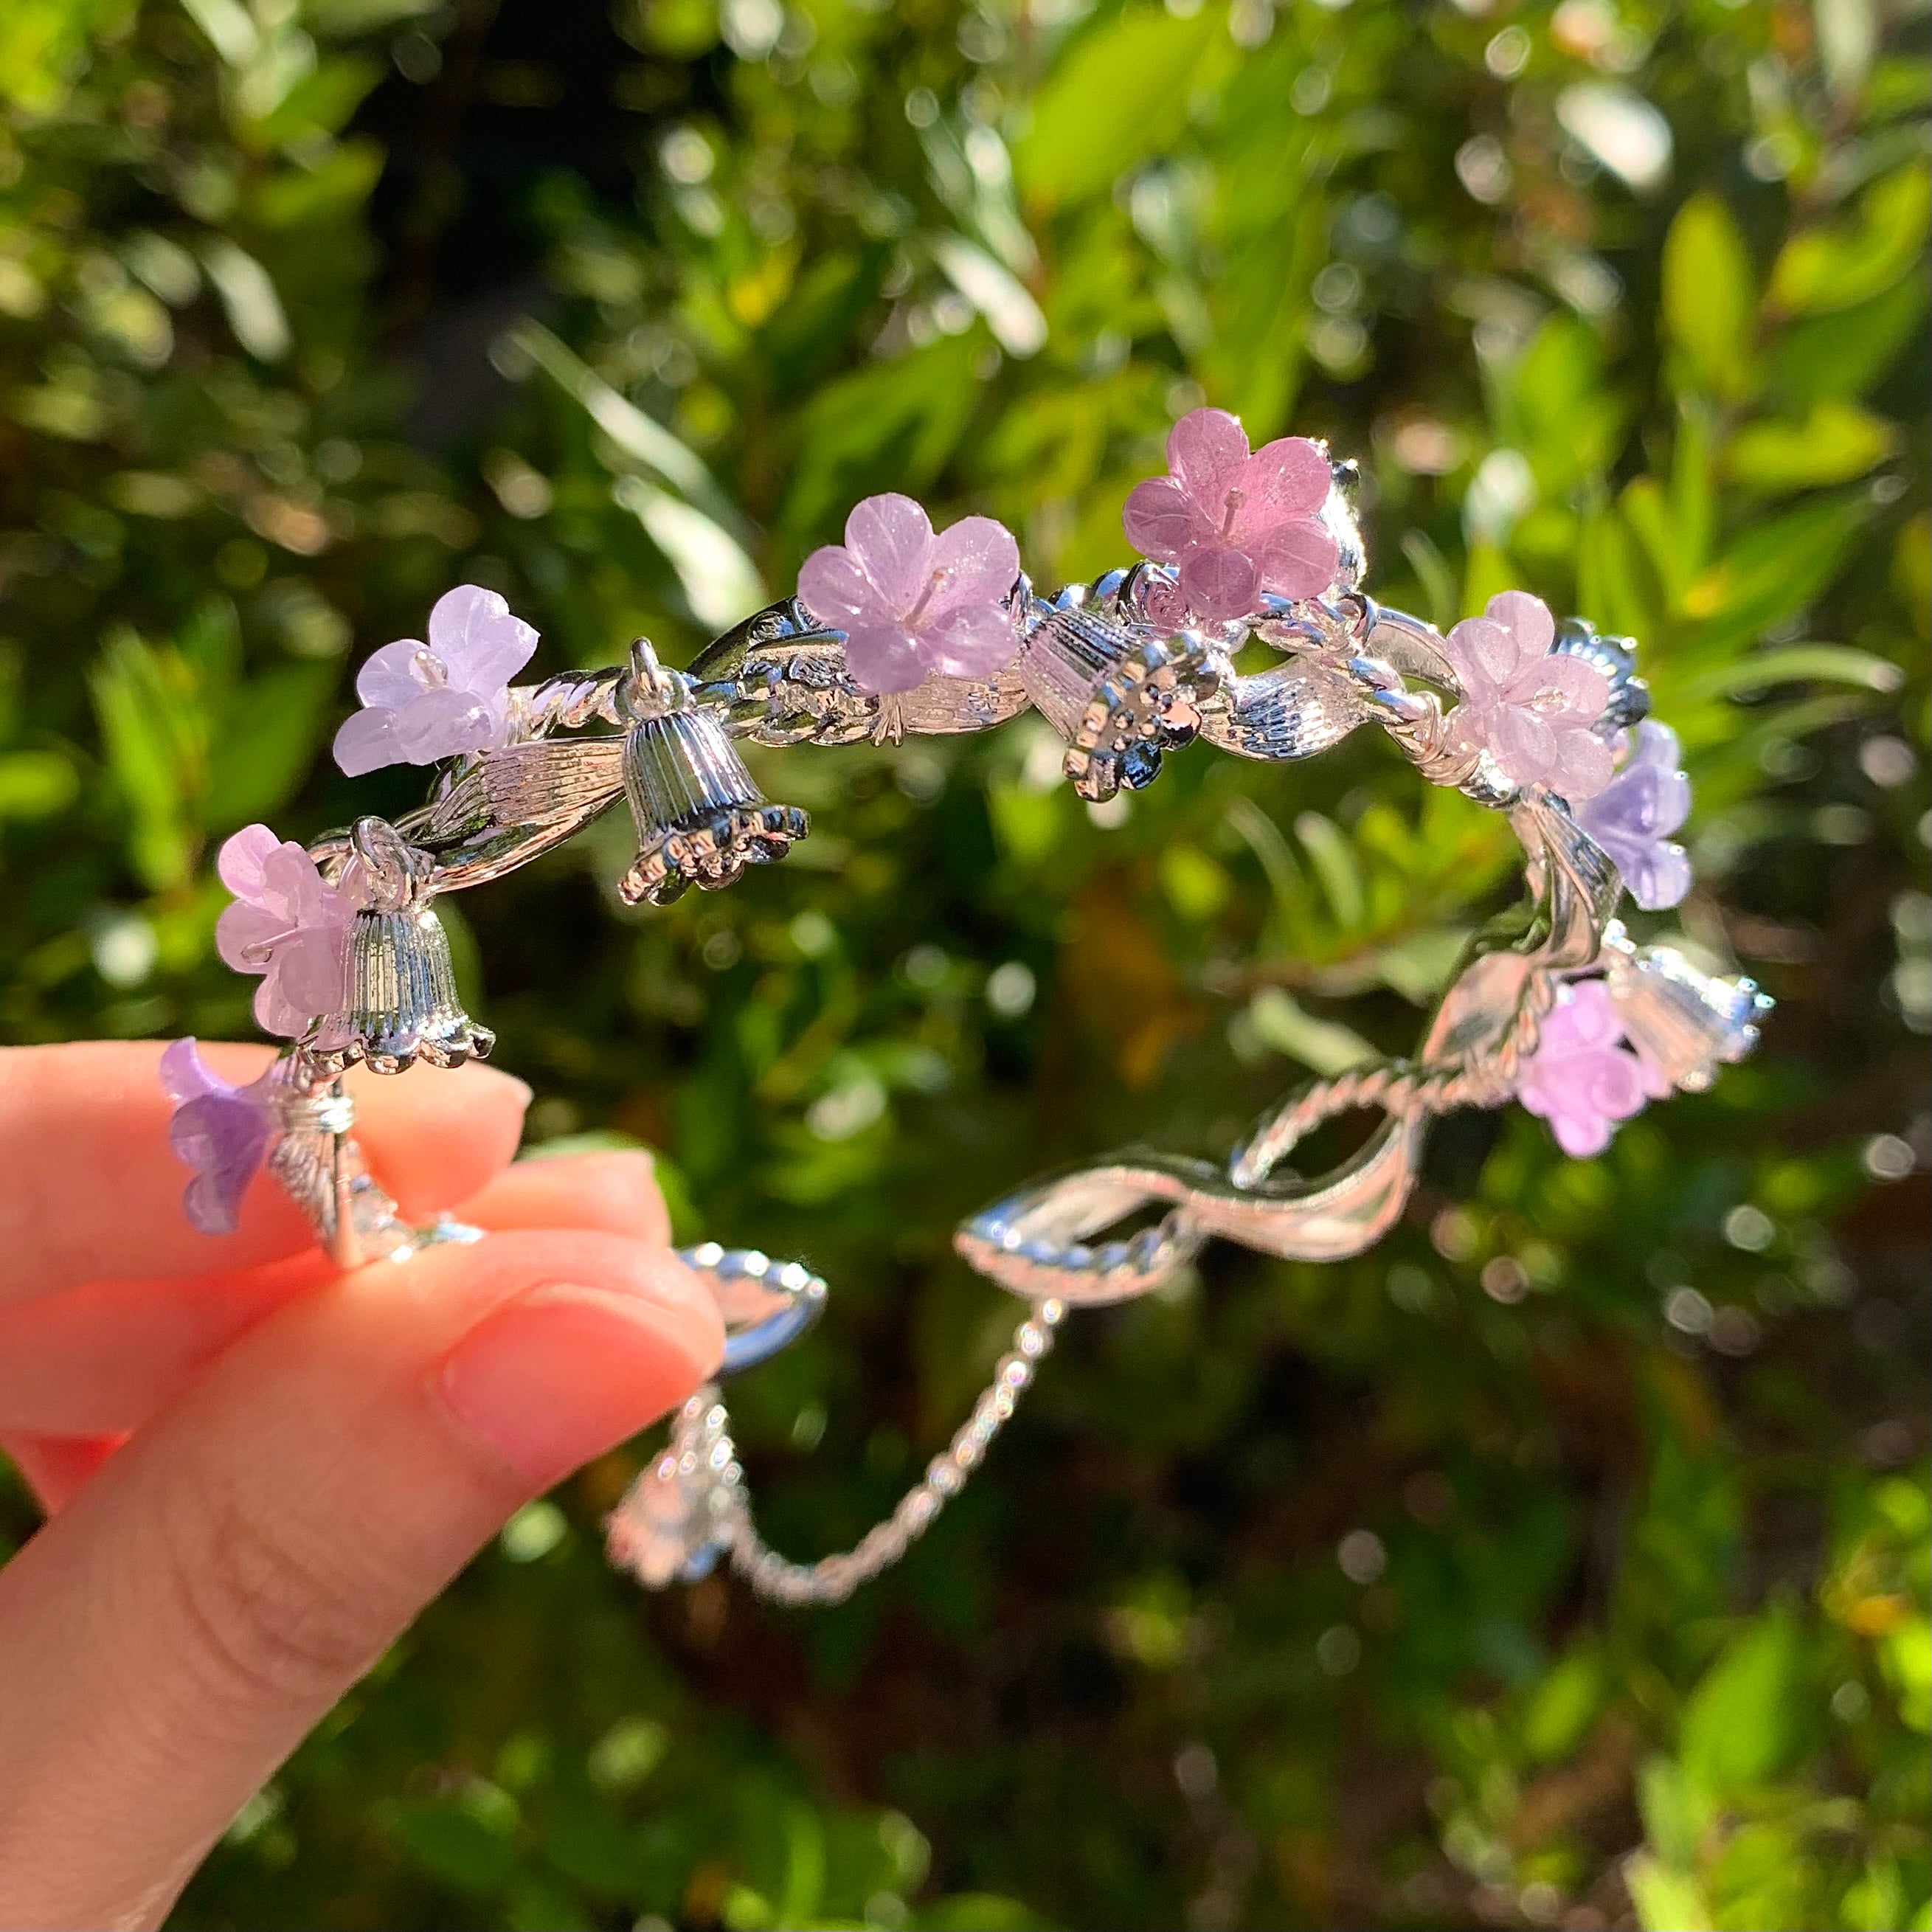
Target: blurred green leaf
x: 1741, y: 1725
x: 248, y: 297
x: 1141, y: 64
x: 1665, y: 1900
x: 36, y: 785
x: 154, y: 733
x: 1837, y: 442
x: 1845, y: 353
x: 264, y: 743
x: 464, y: 1843
x: 1795, y: 663
x: 1710, y: 299
x: 1833, y: 268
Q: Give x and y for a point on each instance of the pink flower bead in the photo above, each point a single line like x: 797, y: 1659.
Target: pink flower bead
x: 1581, y: 1078
x: 288, y: 924
x: 1533, y: 712
x: 425, y: 702
x: 1236, y: 524
x: 914, y: 605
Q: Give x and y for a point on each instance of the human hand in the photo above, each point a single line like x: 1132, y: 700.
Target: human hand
x: 258, y: 1467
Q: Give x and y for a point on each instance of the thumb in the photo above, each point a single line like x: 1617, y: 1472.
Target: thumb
x: 169, y: 1638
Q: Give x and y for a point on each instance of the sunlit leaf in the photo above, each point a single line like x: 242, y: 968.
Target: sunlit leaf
x: 1710, y: 301
x: 1837, y: 268
x: 1836, y: 442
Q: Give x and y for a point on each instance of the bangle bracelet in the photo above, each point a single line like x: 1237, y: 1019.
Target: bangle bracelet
x: 900, y: 630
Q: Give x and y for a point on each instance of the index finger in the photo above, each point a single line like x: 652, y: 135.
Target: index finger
x: 93, y: 1190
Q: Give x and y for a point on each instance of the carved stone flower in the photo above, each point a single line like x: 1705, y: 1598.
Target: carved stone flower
x: 424, y: 702
x: 1235, y: 523
x: 288, y: 924
x: 1582, y: 1078
x: 220, y: 1131
x: 1533, y: 711
x: 913, y: 604
x: 1633, y: 816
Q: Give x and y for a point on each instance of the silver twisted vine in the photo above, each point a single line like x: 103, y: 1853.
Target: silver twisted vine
x: 1121, y: 690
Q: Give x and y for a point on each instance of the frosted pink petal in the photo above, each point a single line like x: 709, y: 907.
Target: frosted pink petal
x: 1483, y: 656
x: 184, y: 1075
x: 1582, y: 766
x: 1162, y: 521
x: 1296, y: 559
x: 480, y: 644
x: 312, y: 972
x: 884, y: 658
x: 396, y: 675
x: 443, y: 723
x: 836, y: 591
x: 976, y: 641
x: 891, y: 538
x: 1562, y: 684
x: 242, y: 930
x: 975, y: 561
x: 1206, y: 450
x: 239, y: 865
x: 1586, y: 1017
x: 367, y: 741
x: 1289, y: 477
x: 1522, y: 744
x: 1526, y: 618
x: 1218, y: 582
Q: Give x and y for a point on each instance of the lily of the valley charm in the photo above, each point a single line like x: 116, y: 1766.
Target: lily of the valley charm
x: 905, y: 628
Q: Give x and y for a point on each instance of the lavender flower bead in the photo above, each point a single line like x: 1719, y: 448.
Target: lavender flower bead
x: 1581, y: 1078
x: 912, y: 604
x: 288, y: 924
x: 423, y: 702
x: 220, y: 1131
x: 1534, y: 711
x: 1633, y: 816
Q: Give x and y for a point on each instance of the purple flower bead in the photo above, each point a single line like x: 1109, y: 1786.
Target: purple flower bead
x: 914, y: 605
x: 424, y: 702
x: 1633, y: 816
x: 1581, y: 1078
x: 1533, y: 711
x: 221, y: 1132
x: 1236, y: 523
x: 288, y: 924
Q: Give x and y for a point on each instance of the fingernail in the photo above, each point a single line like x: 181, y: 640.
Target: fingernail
x: 563, y: 1373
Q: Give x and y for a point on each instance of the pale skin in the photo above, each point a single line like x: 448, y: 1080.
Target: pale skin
x: 257, y: 1467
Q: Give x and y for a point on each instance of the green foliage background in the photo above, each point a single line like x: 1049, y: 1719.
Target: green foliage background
x: 1564, y: 1562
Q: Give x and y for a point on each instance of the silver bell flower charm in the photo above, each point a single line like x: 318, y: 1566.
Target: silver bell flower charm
x: 701, y: 819
x: 1119, y: 695
x: 401, y: 1005
x: 671, y: 1525
x: 1685, y: 1024
x: 1629, y: 701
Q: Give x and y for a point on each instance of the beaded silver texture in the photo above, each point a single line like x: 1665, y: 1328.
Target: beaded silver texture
x: 1123, y: 688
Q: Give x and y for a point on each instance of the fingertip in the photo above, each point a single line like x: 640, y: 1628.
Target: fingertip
x: 610, y: 1337
x: 614, y: 1190
x: 433, y: 1138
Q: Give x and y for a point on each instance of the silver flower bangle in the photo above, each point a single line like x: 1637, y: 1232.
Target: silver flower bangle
x: 899, y: 630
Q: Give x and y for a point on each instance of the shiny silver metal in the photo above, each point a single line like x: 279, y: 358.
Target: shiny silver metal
x: 1629, y: 701
x: 1119, y: 696
x: 766, y: 1305
x: 1117, y: 672
x: 402, y: 1004
x: 700, y: 819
